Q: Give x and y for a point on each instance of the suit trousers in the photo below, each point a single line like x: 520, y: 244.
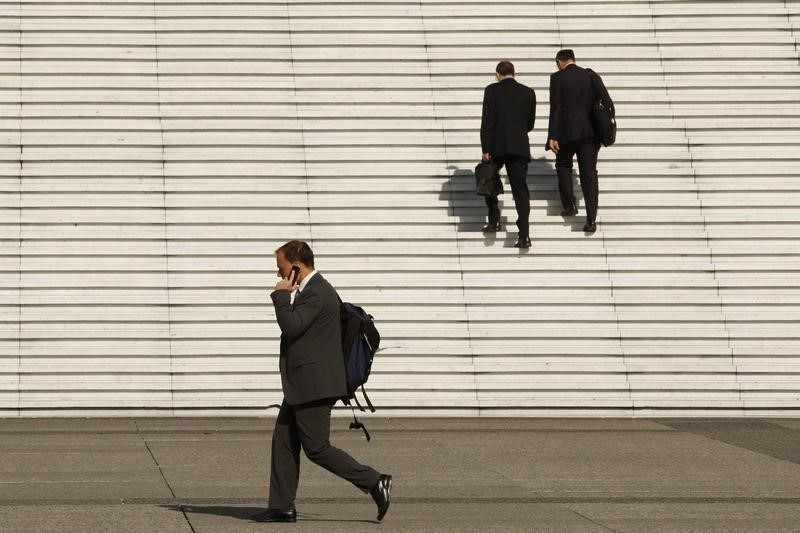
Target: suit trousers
x: 586, y: 150
x: 308, y: 426
x: 517, y: 169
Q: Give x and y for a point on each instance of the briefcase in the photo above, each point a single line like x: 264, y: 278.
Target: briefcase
x: 487, y: 179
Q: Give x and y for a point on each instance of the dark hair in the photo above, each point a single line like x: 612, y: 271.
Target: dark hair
x: 505, y: 68
x: 297, y: 251
x: 565, y: 55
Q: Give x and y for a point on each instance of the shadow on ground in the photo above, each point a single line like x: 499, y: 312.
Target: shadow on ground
x: 245, y: 512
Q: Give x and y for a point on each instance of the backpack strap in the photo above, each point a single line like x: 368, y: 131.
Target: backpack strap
x: 361, y: 407
x: 366, y: 398
x: 355, y: 424
x: 350, y: 334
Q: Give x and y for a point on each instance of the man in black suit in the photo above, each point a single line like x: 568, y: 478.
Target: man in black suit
x: 573, y: 91
x: 509, y: 109
x: 313, y: 378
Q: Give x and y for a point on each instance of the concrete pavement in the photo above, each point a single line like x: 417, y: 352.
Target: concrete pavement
x: 209, y: 475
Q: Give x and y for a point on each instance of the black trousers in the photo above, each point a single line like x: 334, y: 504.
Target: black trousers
x: 308, y: 426
x: 586, y: 150
x: 517, y: 169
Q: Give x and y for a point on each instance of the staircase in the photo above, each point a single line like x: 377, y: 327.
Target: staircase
x: 154, y: 154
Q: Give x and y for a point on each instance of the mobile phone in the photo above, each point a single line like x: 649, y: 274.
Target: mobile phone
x: 294, y: 274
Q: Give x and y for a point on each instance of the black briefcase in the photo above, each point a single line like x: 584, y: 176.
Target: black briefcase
x: 487, y: 179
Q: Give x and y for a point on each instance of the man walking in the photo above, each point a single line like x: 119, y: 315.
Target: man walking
x: 509, y: 110
x: 313, y: 378
x: 573, y: 91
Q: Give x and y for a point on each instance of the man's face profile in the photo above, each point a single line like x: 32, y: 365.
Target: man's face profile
x: 284, y: 265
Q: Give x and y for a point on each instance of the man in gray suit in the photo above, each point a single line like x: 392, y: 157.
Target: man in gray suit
x: 313, y: 379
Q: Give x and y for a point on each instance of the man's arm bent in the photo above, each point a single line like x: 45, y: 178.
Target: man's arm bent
x: 294, y: 321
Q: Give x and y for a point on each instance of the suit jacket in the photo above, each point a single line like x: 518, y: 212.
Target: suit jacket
x: 311, y: 360
x: 509, y: 110
x: 572, y: 93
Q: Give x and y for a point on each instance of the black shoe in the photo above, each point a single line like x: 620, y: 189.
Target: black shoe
x: 569, y: 211
x: 492, y: 227
x: 275, y: 515
x: 590, y: 227
x: 523, y: 243
x: 382, y: 494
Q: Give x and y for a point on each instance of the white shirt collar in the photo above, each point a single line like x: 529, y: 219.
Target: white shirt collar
x: 305, y: 281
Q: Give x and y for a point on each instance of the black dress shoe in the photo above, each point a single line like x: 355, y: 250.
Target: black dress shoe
x: 590, y: 227
x: 276, y: 515
x: 382, y: 494
x: 523, y: 243
x: 492, y: 227
x: 569, y: 211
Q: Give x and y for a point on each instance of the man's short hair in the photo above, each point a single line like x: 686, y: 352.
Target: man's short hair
x: 565, y: 55
x: 505, y: 68
x: 297, y: 251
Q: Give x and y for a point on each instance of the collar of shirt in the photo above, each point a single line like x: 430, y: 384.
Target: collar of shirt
x: 305, y: 281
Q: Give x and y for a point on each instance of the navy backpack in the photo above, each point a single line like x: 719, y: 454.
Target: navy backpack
x: 360, y: 341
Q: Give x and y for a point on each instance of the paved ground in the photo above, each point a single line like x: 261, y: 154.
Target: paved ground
x: 204, y: 475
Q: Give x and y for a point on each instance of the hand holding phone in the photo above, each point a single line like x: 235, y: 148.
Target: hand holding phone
x: 294, y: 275
x: 291, y: 281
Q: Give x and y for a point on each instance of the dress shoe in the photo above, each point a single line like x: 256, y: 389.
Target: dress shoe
x: 492, y: 227
x: 523, y: 243
x: 382, y: 494
x: 590, y: 227
x: 569, y: 211
x: 275, y: 515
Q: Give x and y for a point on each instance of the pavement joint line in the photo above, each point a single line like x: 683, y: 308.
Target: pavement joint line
x: 155, y: 461
x: 185, y: 516
x: 790, y: 501
x: 731, y: 439
x: 343, y: 431
x: 595, y: 522
x: 68, y: 482
x: 163, y: 477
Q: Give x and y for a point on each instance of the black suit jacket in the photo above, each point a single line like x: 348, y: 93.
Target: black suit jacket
x: 572, y: 93
x: 311, y: 361
x: 509, y: 110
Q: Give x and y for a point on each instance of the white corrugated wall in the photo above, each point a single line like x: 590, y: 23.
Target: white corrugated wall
x: 154, y: 154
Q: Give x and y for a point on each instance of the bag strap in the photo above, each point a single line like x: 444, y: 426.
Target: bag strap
x: 593, y: 78
x: 366, y: 398
x: 350, y: 334
x: 600, y: 92
x: 357, y: 402
x: 355, y: 424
